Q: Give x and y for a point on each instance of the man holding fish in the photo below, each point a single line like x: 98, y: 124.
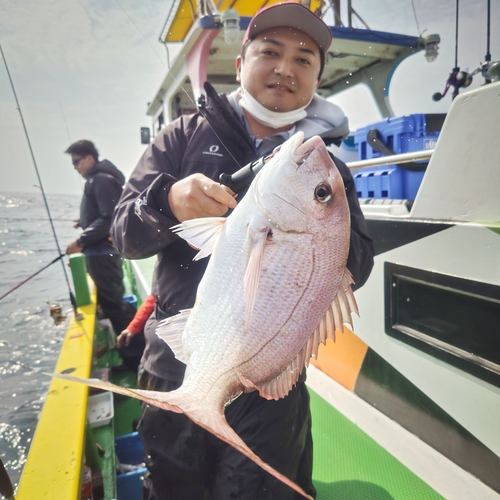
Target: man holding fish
x: 176, y: 180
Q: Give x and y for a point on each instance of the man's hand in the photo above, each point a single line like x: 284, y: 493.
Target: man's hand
x: 124, y: 337
x: 199, y: 196
x: 73, y: 247
x: 76, y: 223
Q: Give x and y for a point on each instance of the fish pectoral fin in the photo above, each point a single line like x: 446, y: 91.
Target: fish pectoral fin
x: 257, y: 238
x: 202, y: 233
x: 170, y: 330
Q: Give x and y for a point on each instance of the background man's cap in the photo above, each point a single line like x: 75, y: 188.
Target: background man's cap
x: 290, y: 15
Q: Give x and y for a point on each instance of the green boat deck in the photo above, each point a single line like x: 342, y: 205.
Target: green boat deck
x: 348, y: 464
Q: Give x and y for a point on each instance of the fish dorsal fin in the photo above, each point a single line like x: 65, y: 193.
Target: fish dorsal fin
x: 170, y: 330
x: 202, y: 233
x: 257, y: 236
x: 338, y: 313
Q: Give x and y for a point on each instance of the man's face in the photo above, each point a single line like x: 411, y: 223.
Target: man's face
x: 83, y: 164
x: 280, y: 69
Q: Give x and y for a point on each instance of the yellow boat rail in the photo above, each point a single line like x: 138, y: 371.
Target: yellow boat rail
x: 54, y: 466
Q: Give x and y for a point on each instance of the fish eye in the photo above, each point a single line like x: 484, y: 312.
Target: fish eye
x: 323, y: 193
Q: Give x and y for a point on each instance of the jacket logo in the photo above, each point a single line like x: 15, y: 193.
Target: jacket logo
x: 213, y: 151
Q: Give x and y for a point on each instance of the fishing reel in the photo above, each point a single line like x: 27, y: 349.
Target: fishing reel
x: 56, y: 313
x: 458, y: 80
x: 461, y: 79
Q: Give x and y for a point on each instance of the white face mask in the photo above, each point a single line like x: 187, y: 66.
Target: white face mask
x: 267, y: 117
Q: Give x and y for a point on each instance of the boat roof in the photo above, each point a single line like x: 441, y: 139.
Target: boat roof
x: 183, y: 14
x: 355, y: 56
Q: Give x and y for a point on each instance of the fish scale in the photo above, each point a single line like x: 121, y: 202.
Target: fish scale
x: 275, y: 288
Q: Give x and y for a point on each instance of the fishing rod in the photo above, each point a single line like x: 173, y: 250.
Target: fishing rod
x: 32, y: 276
x: 71, y: 296
x: 462, y: 79
x: 457, y: 78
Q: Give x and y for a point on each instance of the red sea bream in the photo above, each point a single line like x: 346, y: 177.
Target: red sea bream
x: 276, y: 287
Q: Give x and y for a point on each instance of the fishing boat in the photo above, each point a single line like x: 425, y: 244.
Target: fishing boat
x: 407, y: 404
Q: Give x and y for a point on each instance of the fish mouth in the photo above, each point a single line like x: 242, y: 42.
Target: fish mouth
x: 302, y: 151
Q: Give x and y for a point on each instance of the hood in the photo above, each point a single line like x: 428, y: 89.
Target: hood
x: 106, y: 167
x: 324, y: 119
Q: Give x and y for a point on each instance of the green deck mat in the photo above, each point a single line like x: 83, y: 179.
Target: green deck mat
x: 349, y: 465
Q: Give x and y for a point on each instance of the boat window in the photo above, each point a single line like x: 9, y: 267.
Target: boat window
x: 454, y: 319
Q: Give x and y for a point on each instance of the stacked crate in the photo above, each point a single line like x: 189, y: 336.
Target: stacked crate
x: 402, y: 134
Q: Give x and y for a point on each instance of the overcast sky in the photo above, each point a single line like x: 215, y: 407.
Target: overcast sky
x: 82, y: 69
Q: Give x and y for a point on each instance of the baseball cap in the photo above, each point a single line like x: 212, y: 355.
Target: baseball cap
x: 290, y: 15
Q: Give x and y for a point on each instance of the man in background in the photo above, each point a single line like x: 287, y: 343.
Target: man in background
x: 101, y: 193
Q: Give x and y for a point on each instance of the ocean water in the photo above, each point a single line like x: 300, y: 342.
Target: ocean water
x: 29, y: 339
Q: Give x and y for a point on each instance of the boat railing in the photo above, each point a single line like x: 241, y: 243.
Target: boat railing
x: 390, y: 160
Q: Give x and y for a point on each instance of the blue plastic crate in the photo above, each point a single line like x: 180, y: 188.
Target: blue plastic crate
x: 387, y: 182
x: 402, y: 134
x: 130, y: 450
x: 129, y: 485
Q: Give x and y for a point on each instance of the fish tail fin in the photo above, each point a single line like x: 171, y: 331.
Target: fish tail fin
x: 179, y: 402
x: 216, y: 423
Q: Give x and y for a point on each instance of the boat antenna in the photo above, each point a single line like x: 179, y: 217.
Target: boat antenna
x: 71, y: 296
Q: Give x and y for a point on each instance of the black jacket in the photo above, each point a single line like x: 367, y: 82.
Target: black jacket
x: 212, y: 142
x: 101, y: 193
